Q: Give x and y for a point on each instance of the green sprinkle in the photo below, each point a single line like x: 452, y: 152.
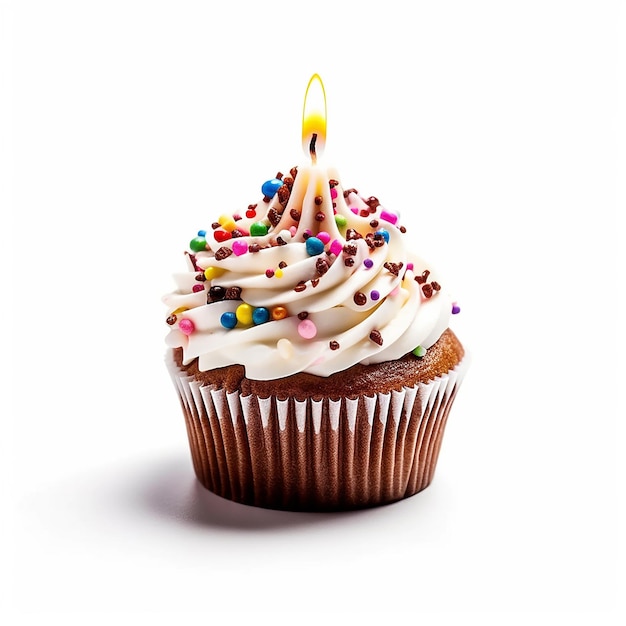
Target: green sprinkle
x: 420, y: 351
x: 258, y: 229
x: 340, y: 220
x: 198, y: 244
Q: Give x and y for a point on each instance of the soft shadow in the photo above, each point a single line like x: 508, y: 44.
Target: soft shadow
x: 171, y: 490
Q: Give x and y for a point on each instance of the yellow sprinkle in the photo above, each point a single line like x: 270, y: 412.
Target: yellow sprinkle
x: 227, y: 222
x: 244, y: 313
x: 213, y: 272
x: 278, y: 273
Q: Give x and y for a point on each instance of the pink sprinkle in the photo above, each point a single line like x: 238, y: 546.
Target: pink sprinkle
x: 186, y: 326
x: 354, y: 209
x: 197, y: 288
x: 307, y: 329
x: 293, y: 230
x: 333, y: 193
x: 240, y: 247
x: 323, y: 236
x: 336, y: 247
x: 409, y: 266
x: 388, y: 217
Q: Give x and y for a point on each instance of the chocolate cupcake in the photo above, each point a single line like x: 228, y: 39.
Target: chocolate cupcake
x: 311, y: 351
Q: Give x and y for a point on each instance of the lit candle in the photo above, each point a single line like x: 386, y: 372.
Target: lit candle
x: 314, y: 118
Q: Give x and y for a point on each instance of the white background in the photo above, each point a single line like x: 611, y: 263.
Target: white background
x: 492, y: 126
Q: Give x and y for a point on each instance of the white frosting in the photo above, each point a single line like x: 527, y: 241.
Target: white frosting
x: 402, y: 314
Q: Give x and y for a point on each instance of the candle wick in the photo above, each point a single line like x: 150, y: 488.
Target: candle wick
x: 312, y: 147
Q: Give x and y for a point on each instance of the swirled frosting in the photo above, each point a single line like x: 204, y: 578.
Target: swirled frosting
x: 313, y: 278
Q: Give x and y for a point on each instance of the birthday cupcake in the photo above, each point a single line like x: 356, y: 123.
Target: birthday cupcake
x: 311, y: 351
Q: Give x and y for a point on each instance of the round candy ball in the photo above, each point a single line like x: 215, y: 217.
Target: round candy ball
x: 270, y: 187
x: 228, y: 320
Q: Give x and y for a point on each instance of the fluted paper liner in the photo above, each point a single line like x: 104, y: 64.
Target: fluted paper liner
x: 316, y: 455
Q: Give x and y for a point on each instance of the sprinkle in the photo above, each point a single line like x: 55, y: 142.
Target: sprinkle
x: 221, y: 235
x: 350, y: 248
x: 200, y: 277
x: 292, y: 231
x: 333, y: 193
x: 251, y: 213
x: 323, y: 236
x: 354, y: 210
x: 233, y: 293
x: 419, y: 352
x: 360, y: 298
x: 227, y: 222
x: 372, y: 202
x: 322, y: 266
x: 228, y: 320
x: 340, y: 220
x: 384, y: 233
x: 254, y: 247
x: 273, y: 216
x: 215, y: 225
x: 435, y: 285
x: 240, y: 247
x: 307, y: 329
x: 282, y: 265
x: 269, y: 272
x: 237, y: 232
x: 285, y: 348
x: 202, y: 233
x: 217, y: 293
x: 349, y: 262
x: 427, y: 290
x: 388, y: 217
x: 409, y: 266
x: 368, y: 263
x: 279, y: 313
x: 303, y: 315
x: 244, y: 313
x: 376, y: 337
x: 186, y: 326
x: 198, y: 244
x: 423, y: 278
x: 278, y: 273
x: 364, y: 212
x: 315, y: 282
x: 320, y: 216
x: 301, y: 286
x: 455, y: 308
x: 333, y: 183
x: 318, y: 200
x: 374, y: 295
x: 197, y: 288
x: 171, y: 320
x: 393, y: 268
x: 270, y: 187
x: 314, y: 246
x: 295, y: 215
x: 374, y: 223
x: 223, y: 253
x: 260, y: 315
x: 336, y: 247
x: 353, y: 234
x: 283, y: 194
x: 258, y: 229
x: 334, y: 345
x: 212, y: 272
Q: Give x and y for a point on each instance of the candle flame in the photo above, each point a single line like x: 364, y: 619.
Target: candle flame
x: 314, y: 118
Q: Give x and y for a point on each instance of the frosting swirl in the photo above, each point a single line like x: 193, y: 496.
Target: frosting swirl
x: 313, y: 278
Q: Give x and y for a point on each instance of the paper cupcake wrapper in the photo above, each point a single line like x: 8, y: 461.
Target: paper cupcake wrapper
x: 315, y: 455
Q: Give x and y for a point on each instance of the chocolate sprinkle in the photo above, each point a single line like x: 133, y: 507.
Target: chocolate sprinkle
x: 393, y: 268
x: 216, y: 293
x: 334, y: 345
x: 223, y: 253
x: 322, y: 266
x: 376, y: 337
x: 347, y: 192
x: 352, y: 234
x: 423, y: 278
x: 295, y: 215
x: 318, y: 200
x: 282, y: 265
x: 303, y: 315
x: 360, y: 298
x: 427, y: 290
x: 372, y: 202
x: 349, y: 262
x: 319, y: 217
x: 374, y: 223
x: 171, y: 320
x: 233, y: 293
x: 283, y: 194
x: 301, y: 286
x: 254, y: 247
x: 350, y: 248
x: 201, y: 277
x: 273, y: 216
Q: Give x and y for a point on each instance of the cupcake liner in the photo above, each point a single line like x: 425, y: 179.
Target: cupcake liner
x: 316, y: 455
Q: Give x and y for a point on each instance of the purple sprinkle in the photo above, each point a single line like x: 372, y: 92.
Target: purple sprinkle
x: 368, y: 263
x: 374, y: 295
x: 455, y: 309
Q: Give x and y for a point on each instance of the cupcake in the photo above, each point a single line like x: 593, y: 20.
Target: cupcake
x: 310, y: 349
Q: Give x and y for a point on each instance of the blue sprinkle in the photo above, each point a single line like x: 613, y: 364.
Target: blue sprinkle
x: 384, y: 233
x: 314, y: 246
x: 270, y: 187
x: 228, y: 320
x: 202, y: 233
x: 260, y: 315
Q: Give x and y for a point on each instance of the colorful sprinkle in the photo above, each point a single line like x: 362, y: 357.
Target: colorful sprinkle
x: 333, y: 193
x: 314, y: 246
x: 388, y: 217
x: 227, y: 222
x: 228, y: 320
x: 269, y: 272
x: 212, y: 272
x: 258, y: 229
x: 197, y: 288
x: 336, y: 247
x: 186, y: 326
x: 221, y: 235
x: 285, y: 348
x: 278, y: 273
x: 250, y: 213
x: 384, y: 233
x: 307, y: 329
x: 240, y: 247
x: 198, y: 244
x: 340, y: 220
x: 455, y: 308
x: 323, y: 236
x: 374, y: 295
x: 419, y: 352
x: 270, y: 187
x: 244, y: 313
x: 368, y: 263
x: 355, y: 210
x: 260, y: 315
x: 202, y: 233
x: 279, y: 313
